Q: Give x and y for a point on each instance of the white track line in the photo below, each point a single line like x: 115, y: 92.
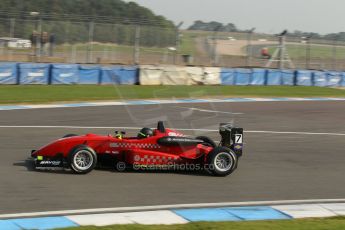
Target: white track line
x: 299, y: 133
x: 166, y: 207
x: 138, y: 128
x: 207, y: 110
x: 65, y: 127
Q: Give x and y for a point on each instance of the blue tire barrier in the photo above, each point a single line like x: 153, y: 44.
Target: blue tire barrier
x: 343, y: 82
x: 89, y: 75
x: 40, y: 73
x: 334, y: 79
x: 258, y: 77
x: 65, y: 74
x: 227, y: 76
x: 274, y: 77
x: 304, y: 78
x: 119, y: 75
x: 34, y: 73
x: 243, y: 76
x: 8, y: 73
x: 320, y: 79
x: 287, y: 77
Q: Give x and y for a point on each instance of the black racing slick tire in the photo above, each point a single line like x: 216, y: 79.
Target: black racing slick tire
x: 207, y: 141
x: 82, y: 159
x: 221, y: 161
x: 70, y: 135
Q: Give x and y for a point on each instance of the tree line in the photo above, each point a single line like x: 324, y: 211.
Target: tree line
x: 72, y: 21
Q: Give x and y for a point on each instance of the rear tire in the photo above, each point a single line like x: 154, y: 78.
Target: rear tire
x: 82, y: 159
x: 221, y: 161
x: 207, y: 141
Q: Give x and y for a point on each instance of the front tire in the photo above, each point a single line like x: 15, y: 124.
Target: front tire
x: 221, y: 161
x: 82, y: 159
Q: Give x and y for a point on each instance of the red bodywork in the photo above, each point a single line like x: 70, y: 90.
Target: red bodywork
x: 131, y: 150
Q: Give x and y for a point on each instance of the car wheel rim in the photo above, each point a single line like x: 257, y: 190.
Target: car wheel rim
x: 223, y: 162
x: 83, y: 160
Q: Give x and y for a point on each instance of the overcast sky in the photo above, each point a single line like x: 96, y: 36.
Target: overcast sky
x: 270, y: 16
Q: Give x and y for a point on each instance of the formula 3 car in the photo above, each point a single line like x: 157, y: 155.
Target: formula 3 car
x: 152, y: 148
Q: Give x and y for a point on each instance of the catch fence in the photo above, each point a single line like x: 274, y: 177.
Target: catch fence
x: 126, y: 42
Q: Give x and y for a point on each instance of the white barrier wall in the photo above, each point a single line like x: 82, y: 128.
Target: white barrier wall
x: 172, y: 75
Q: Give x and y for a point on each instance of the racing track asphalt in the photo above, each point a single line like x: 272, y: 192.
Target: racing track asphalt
x: 274, y: 166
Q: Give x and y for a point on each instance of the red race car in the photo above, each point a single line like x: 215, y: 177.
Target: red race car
x: 159, y: 148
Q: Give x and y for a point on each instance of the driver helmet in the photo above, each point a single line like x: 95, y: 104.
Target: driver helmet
x: 145, y: 132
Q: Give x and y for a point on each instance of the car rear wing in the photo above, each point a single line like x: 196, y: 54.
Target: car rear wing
x: 231, y: 137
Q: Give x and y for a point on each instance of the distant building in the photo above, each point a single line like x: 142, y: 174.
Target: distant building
x: 15, y: 43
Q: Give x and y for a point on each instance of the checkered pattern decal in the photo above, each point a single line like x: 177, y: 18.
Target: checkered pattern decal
x: 134, y: 145
x: 153, y: 159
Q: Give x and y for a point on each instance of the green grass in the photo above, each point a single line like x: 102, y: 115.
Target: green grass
x: 296, y: 224
x: 316, y: 51
x: 100, y: 47
x: 108, y: 47
x: 13, y: 94
x: 188, y: 44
